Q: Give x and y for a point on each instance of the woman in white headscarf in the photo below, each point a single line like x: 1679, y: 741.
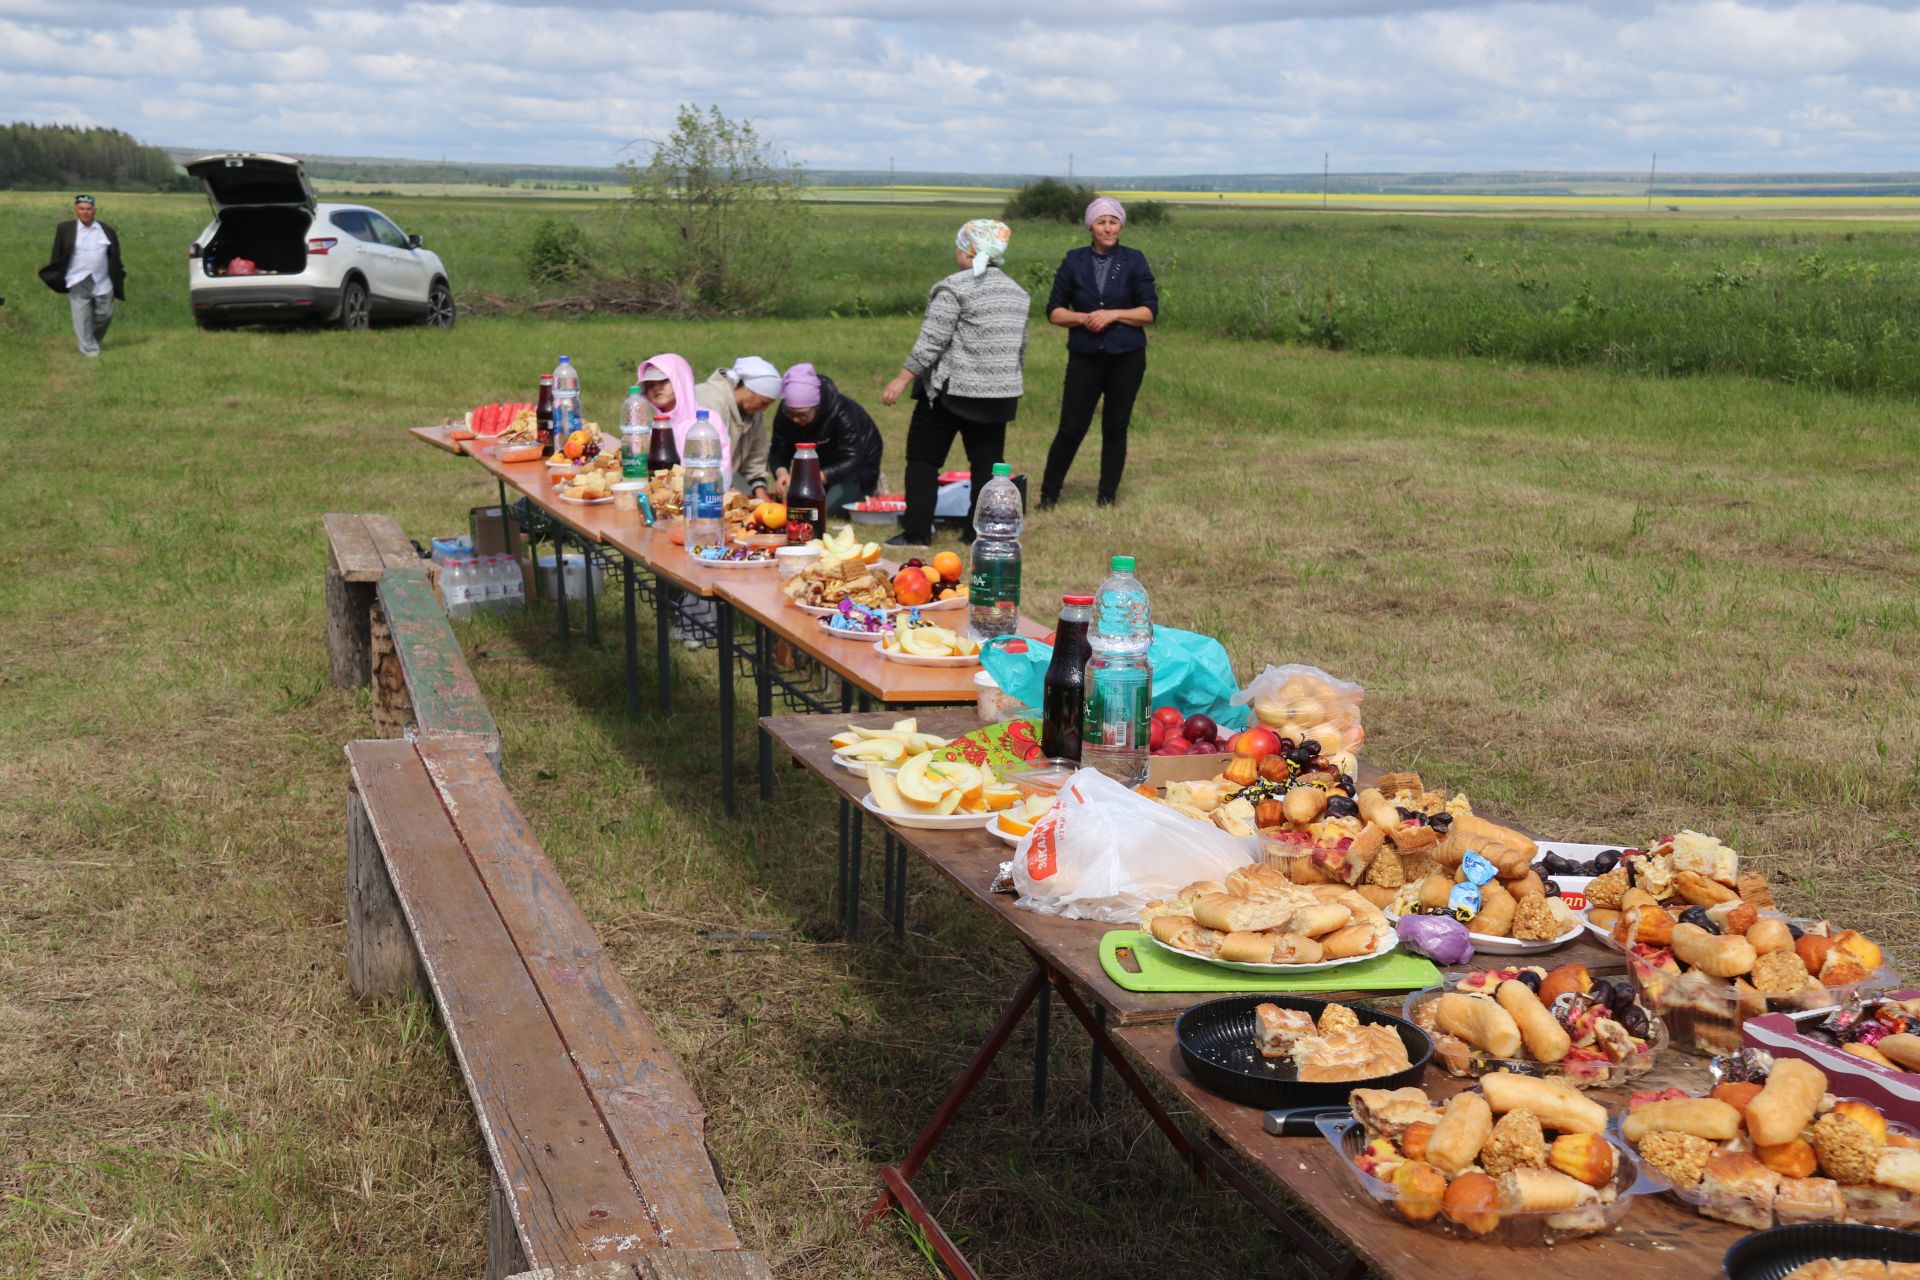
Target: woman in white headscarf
x: 965, y: 371
x: 1104, y: 297
x: 737, y: 398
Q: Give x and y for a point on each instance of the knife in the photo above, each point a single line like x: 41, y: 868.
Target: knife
x: 1298, y: 1122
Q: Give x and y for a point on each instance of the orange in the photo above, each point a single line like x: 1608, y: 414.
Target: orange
x: 948, y: 566
x: 574, y: 447
x: 771, y: 515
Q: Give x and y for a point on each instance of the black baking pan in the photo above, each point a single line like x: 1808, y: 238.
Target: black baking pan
x: 1770, y: 1255
x: 1217, y: 1042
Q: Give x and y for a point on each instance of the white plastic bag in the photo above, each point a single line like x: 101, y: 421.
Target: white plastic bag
x: 1304, y: 703
x: 1105, y: 851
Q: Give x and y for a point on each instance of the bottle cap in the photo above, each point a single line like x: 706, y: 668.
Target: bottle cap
x: 661, y: 417
x: 563, y: 359
x: 1123, y: 564
x: 1002, y: 469
x: 633, y: 391
x: 803, y: 445
x: 1085, y: 602
x: 700, y: 415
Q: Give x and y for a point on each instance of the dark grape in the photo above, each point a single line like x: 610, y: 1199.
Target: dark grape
x: 1342, y: 807
x: 1698, y: 916
x: 1441, y: 821
x: 1530, y: 980
x: 1550, y: 886
x: 1310, y: 746
x: 1634, y: 1019
x: 1602, y: 992
x: 1555, y: 865
x: 1623, y: 996
x: 1345, y: 780
x: 1605, y: 862
x: 1406, y: 814
x: 1796, y: 931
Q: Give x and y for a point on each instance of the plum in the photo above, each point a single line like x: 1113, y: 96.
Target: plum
x: 1199, y: 728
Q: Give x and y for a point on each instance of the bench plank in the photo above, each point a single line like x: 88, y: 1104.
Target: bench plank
x: 352, y: 546
x: 572, y: 1201
x: 652, y: 1112
x: 390, y: 543
x: 666, y: 1264
x: 444, y: 694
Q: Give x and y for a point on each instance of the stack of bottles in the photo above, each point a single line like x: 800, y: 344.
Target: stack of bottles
x: 482, y: 583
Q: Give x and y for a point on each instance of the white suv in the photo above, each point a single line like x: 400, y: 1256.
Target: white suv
x: 344, y: 263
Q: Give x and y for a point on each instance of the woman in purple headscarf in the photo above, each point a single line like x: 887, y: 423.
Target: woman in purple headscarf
x: 815, y: 411
x: 1104, y: 297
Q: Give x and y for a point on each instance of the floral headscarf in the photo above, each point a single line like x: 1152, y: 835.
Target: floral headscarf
x: 986, y: 240
x: 1106, y: 207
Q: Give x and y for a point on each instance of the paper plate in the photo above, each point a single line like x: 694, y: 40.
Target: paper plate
x: 929, y: 821
x: 852, y: 765
x: 584, y: 502
x: 735, y: 564
x: 1488, y: 944
x: 818, y: 610
x: 1385, y: 945
x: 917, y: 660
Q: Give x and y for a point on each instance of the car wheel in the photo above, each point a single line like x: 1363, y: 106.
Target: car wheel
x: 440, y: 308
x: 356, y: 306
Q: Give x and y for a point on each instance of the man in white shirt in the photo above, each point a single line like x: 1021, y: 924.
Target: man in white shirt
x: 85, y: 265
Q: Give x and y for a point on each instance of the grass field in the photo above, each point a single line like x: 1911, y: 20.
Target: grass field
x: 1819, y: 302
x: 1607, y: 604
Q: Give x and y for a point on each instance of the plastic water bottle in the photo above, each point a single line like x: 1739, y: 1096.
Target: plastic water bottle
x: 566, y: 401
x: 636, y: 434
x: 993, y: 588
x: 1119, y: 684
x: 496, y: 580
x: 456, y: 586
x: 703, y: 484
x: 515, y: 585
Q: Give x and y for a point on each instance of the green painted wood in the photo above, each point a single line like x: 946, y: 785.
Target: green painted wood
x: 446, y: 699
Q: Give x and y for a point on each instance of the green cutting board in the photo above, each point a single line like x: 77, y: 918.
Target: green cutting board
x: 1162, y: 970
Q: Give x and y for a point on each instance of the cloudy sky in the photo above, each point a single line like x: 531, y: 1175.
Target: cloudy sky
x: 1126, y: 86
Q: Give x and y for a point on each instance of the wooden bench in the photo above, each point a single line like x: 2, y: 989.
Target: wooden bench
x: 597, y: 1142
x: 421, y: 682
x: 360, y: 550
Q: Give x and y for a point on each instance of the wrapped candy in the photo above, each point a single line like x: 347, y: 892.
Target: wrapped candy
x: 1464, y: 900
x: 1439, y: 938
x: 1743, y: 1066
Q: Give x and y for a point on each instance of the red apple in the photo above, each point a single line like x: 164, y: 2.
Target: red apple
x: 1256, y: 742
x: 1156, y: 734
x: 1175, y: 746
x: 1172, y: 717
x: 1199, y: 728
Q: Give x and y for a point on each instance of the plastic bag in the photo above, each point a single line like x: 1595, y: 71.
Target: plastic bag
x: 1303, y: 703
x: 1190, y: 671
x: 1105, y: 851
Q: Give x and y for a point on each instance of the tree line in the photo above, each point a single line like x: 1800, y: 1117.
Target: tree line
x: 64, y: 156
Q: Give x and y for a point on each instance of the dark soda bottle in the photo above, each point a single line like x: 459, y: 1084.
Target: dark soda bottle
x: 543, y: 416
x: 1066, y: 685
x: 806, y: 497
x: 662, y: 453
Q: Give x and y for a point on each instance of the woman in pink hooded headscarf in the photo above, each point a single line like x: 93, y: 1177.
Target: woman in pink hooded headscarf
x: 667, y: 382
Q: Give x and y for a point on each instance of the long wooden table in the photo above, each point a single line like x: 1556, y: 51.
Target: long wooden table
x: 441, y: 437
x: 1658, y: 1240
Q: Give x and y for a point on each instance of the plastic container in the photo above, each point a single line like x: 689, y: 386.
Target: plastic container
x: 1581, y: 1075
x: 626, y: 494
x: 576, y: 577
x: 1348, y: 1139
x: 1043, y: 777
x: 791, y: 562
x: 993, y: 703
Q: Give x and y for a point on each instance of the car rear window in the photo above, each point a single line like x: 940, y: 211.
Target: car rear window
x: 354, y: 223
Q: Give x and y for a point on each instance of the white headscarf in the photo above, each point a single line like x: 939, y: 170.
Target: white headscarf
x: 986, y: 240
x: 756, y: 375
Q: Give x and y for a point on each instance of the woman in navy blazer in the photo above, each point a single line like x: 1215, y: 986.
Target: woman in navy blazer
x: 1104, y: 297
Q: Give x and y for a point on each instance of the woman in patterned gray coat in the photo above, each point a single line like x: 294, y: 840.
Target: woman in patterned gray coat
x: 965, y: 373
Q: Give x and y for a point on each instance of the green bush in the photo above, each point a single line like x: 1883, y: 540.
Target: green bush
x: 1048, y: 200
x: 556, y: 253
x: 1149, y: 213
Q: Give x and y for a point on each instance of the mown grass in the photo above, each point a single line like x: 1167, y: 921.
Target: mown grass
x: 1822, y: 302
x: 1609, y: 605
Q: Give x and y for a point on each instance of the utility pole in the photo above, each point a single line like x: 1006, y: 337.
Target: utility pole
x: 890, y: 179
x: 1069, y: 166
x: 1325, y: 159
x: 1651, y: 164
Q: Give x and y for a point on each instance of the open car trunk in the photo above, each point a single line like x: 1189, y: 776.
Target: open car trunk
x: 273, y: 238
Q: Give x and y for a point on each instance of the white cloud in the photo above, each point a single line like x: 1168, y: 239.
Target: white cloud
x: 1140, y: 86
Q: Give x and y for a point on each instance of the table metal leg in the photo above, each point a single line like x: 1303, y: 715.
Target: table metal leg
x: 840, y: 882
x: 898, y: 1178
x: 586, y: 578
x: 1042, y: 1035
x: 723, y: 614
x: 897, y: 848
x: 763, y: 687
x: 663, y: 597
x: 1096, y: 1084
x: 1122, y: 1068
x: 559, y: 583
x: 1208, y: 1158
x: 628, y: 569
x: 852, y: 899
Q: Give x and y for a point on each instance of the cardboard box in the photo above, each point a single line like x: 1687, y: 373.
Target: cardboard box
x: 492, y: 534
x: 1164, y: 769
x: 1896, y: 1093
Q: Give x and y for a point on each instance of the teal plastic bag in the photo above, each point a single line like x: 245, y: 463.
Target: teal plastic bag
x: 1190, y: 671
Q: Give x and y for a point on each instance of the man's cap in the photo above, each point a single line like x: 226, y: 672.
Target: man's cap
x: 83, y: 199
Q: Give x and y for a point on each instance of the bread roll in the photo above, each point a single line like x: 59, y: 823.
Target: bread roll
x: 1354, y: 940
x: 1555, y: 1105
x: 1786, y: 1103
x: 1374, y: 808
x: 1769, y: 935
x: 1294, y: 948
x: 1717, y: 955
x: 1435, y: 889
x: 1182, y: 932
x: 1320, y: 918
x: 1496, y: 912
x: 1543, y: 1191
x: 1230, y: 913
x: 1247, y: 948
x: 1545, y: 1038
x: 1456, y: 1141
x: 1480, y: 1022
x: 1708, y: 1118
x: 1904, y: 1049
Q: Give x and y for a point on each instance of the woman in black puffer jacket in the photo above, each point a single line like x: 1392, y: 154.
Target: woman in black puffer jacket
x: 813, y: 410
